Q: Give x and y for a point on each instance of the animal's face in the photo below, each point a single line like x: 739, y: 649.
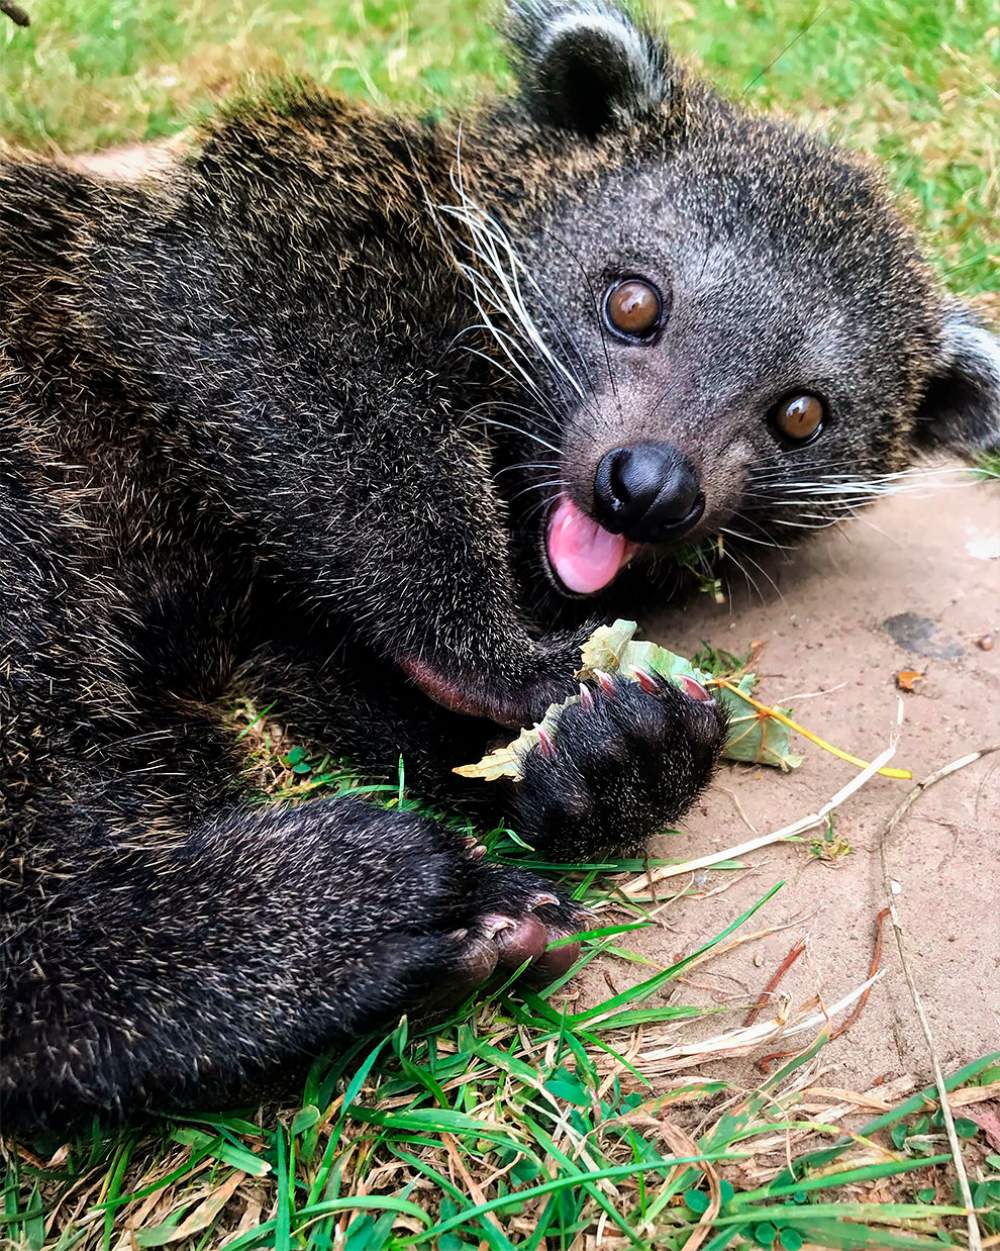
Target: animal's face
x: 724, y: 330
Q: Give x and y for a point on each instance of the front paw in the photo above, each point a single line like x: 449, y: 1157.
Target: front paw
x: 627, y: 760
x: 514, y: 687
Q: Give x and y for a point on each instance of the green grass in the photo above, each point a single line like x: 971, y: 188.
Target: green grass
x: 989, y: 465
x: 521, y: 1121
x: 524, y: 1120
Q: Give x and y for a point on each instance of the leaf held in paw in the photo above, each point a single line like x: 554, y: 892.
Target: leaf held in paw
x: 754, y: 737
x: 508, y: 761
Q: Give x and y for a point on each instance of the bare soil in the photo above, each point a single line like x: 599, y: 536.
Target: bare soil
x: 929, y: 566
x: 134, y: 161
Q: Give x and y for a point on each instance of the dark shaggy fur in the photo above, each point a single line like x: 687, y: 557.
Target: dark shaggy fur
x: 244, y: 448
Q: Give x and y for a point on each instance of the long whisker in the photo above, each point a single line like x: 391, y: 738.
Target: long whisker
x: 502, y: 284
x: 505, y: 425
x: 539, y: 486
x: 525, y: 464
x: 574, y: 256
x: 747, y: 538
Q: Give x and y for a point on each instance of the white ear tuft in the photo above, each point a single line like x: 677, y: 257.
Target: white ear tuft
x: 585, y: 65
x: 961, y: 408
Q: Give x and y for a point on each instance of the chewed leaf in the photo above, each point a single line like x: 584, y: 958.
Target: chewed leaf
x: 505, y: 762
x: 604, y: 649
x: 508, y: 762
x: 754, y: 737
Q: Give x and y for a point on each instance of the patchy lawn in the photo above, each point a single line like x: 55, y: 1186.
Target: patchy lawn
x: 914, y: 83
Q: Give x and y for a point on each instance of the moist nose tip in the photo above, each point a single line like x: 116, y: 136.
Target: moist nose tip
x: 647, y: 491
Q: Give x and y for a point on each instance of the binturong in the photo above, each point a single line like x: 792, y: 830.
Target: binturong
x: 368, y: 420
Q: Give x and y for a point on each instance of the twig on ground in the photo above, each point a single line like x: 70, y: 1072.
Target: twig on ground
x: 639, y: 885
x: 765, y: 1062
x: 14, y: 11
x: 764, y: 998
x: 658, y: 1061
x: 873, y: 968
x: 975, y: 1237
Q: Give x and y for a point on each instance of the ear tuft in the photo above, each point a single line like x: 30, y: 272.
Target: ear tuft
x: 961, y: 407
x: 586, y: 66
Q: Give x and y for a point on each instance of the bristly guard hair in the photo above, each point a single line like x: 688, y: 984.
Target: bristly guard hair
x: 242, y: 453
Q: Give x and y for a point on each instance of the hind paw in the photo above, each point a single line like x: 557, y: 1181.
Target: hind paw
x: 514, y: 918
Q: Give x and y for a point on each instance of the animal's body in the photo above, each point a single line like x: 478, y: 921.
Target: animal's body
x: 243, y: 449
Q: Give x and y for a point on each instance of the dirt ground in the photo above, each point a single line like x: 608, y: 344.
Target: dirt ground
x: 929, y: 566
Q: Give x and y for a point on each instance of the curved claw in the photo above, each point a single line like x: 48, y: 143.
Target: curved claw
x: 649, y: 682
x: 605, y: 681
x: 695, y: 689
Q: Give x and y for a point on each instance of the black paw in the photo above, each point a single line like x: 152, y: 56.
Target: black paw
x: 512, y: 918
x: 623, y: 763
x: 467, y: 923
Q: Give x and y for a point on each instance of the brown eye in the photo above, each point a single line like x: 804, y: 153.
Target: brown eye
x: 633, y: 308
x: 799, y: 417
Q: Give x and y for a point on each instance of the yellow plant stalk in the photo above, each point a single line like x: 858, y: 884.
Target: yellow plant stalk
x: 902, y: 774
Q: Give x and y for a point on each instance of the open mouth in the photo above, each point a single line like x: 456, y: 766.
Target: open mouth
x: 582, y: 554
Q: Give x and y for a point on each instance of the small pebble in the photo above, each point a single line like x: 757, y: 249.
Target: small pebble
x: 985, y: 644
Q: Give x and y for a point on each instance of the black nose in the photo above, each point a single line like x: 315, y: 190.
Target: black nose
x: 647, y: 492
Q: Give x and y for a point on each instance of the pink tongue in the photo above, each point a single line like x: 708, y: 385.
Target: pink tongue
x: 583, y: 554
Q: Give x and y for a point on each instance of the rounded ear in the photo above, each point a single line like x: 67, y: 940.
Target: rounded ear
x: 586, y: 66
x: 961, y: 407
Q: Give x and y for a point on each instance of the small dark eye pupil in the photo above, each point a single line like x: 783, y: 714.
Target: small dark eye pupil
x: 800, y: 417
x: 633, y: 308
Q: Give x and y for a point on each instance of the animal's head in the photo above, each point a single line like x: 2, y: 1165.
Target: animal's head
x: 717, y: 324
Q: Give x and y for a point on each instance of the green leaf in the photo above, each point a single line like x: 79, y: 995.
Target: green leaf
x: 845, y: 1235
x: 366, y: 1233
x: 566, y: 1085
x: 926, y: 1195
x: 283, y: 1215
x: 965, y: 1128
x: 790, y: 1239
x: 304, y: 1119
x: 228, y: 1152
x: 295, y: 755
x: 525, y: 1170
x: 765, y: 1234
x: 697, y: 1201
